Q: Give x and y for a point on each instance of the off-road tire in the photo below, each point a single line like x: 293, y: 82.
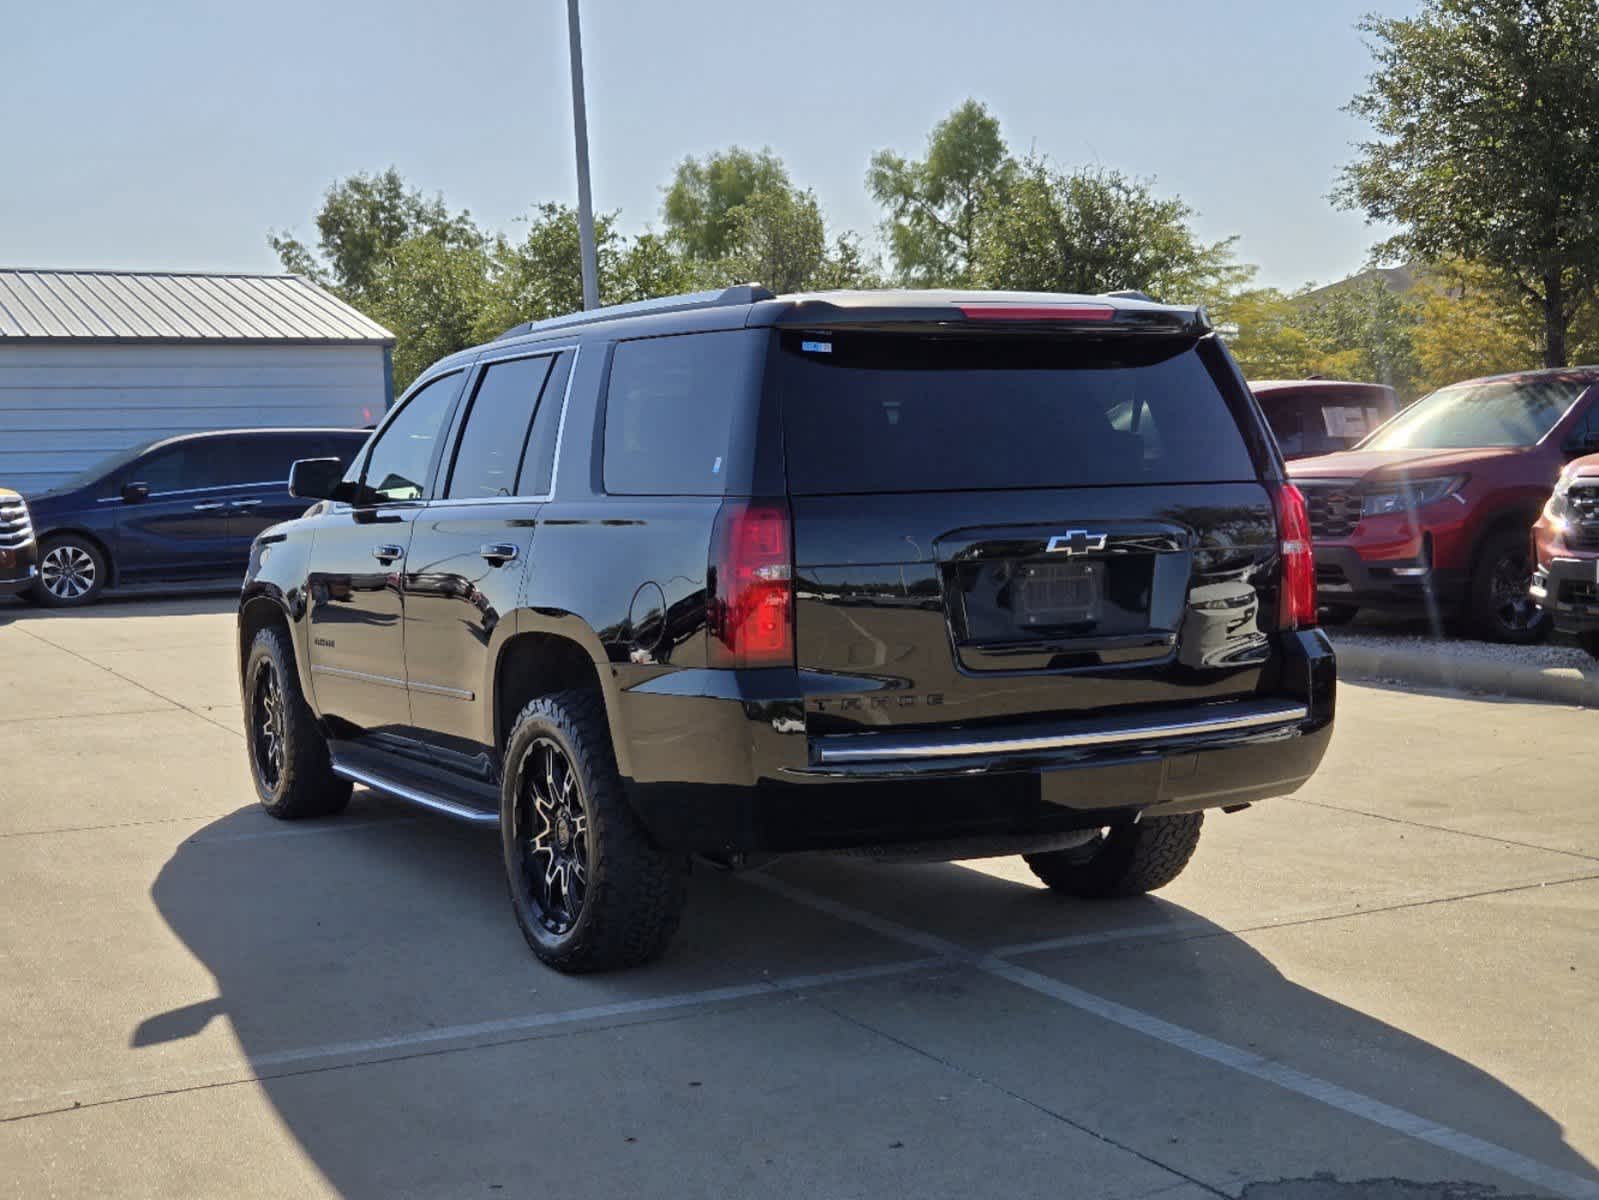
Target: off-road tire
x: 1482, y: 605
x: 81, y: 548
x: 305, y: 786
x: 1127, y: 860
x: 635, y: 893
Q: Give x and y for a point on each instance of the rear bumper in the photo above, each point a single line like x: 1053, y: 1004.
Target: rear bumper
x: 1568, y: 590
x: 882, y: 789
x: 1413, y: 584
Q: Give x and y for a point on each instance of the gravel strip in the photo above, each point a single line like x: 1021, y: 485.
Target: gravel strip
x: 1463, y: 650
x: 1551, y: 673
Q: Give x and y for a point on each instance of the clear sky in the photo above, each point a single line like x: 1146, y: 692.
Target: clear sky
x: 175, y: 134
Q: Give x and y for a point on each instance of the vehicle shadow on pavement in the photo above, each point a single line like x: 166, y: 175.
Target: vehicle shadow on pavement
x: 372, y: 975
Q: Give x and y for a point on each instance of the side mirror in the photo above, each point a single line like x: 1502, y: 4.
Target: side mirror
x: 318, y: 479
x: 133, y: 493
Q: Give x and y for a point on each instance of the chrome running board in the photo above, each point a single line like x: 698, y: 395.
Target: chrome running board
x: 412, y: 795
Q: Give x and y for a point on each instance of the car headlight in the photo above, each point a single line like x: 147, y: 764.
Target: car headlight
x: 1558, y: 508
x: 1412, y: 494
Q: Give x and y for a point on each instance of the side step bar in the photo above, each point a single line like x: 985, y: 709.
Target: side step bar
x: 1149, y: 728
x: 413, y: 794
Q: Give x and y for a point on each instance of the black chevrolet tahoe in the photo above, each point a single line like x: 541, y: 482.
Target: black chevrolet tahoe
x: 907, y: 575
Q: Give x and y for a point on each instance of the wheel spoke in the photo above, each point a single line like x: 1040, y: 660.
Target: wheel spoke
x: 554, y: 849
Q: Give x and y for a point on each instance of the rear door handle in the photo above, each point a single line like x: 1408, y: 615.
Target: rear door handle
x: 246, y: 504
x: 498, y: 553
x: 387, y: 554
x: 209, y: 506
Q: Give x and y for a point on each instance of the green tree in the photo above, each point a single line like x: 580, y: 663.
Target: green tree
x: 700, y: 204
x: 1097, y: 230
x: 1470, y: 325
x: 1266, y: 336
x: 431, y: 294
x: 1487, y: 146
x: 1364, y: 331
x: 541, y: 275
x: 362, y: 222
x: 936, y: 204
x: 737, y: 217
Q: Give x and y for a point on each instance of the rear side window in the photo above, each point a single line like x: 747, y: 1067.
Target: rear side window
x: 184, y: 466
x: 267, y: 457
x: 497, y: 425
x: 871, y: 412
x: 675, y: 408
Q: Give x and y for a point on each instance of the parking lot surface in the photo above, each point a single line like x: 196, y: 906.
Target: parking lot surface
x: 1385, y: 988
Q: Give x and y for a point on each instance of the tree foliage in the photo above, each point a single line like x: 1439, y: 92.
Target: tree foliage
x: 362, y: 221
x: 1097, y: 230
x: 937, y: 203
x: 737, y: 217
x: 1486, y: 119
x: 700, y: 208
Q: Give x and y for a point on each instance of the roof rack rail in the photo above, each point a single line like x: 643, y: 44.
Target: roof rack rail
x: 1129, y: 294
x: 740, y: 293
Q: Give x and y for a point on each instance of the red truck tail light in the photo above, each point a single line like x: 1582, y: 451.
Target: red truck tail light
x: 750, y: 601
x: 1297, y: 607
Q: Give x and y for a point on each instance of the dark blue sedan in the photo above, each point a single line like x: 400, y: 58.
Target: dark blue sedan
x: 182, y: 509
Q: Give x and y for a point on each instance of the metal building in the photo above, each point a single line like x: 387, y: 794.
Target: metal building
x: 93, y: 362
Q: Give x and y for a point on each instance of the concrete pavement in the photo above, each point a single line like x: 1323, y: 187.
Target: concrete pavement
x: 1382, y: 989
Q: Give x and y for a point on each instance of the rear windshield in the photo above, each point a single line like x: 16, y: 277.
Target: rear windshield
x: 873, y: 412
x: 1471, y: 415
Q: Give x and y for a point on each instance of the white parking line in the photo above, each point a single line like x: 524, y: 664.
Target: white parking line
x: 1102, y: 937
x: 260, y: 1066
x: 1499, y: 1158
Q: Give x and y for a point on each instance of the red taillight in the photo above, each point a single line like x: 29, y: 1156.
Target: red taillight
x: 1297, y: 607
x: 1038, y: 312
x: 750, y: 608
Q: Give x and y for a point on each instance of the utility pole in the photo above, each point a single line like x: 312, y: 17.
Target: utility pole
x: 580, y: 130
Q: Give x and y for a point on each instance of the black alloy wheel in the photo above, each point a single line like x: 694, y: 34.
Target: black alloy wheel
x: 1501, y: 607
x: 552, y: 832
x: 1513, y: 606
x: 268, y: 727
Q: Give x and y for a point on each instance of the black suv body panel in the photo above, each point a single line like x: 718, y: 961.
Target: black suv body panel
x: 1199, y: 703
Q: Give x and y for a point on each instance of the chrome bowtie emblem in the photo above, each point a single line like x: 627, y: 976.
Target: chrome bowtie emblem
x: 1075, y: 541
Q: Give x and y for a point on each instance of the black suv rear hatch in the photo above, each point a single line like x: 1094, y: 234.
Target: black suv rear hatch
x: 1001, y: 525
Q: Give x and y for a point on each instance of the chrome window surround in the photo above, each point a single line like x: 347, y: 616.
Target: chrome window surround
x: 219, y: 487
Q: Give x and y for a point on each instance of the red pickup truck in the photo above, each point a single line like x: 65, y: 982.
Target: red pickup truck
x: 1432, y: 514
x: 1565, y: 546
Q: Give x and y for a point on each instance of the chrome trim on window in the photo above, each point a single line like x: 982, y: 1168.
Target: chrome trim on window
x: 219, y: 487
x: 873, y: 747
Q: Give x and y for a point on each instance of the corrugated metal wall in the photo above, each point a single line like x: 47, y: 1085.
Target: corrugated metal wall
x: 63, y: 408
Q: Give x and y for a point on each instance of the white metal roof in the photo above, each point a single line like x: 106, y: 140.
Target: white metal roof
x: 170, y: 306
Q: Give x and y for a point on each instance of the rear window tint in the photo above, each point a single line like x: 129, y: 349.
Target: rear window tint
x: 906, y: 413
x: 673, y: 409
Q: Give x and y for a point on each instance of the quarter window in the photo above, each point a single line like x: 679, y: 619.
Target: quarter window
x: 671, y: 409
x: 496, y: 429
x: 401, y: 458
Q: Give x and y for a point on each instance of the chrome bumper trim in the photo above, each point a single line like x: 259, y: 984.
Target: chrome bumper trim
x: 874, y: 747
